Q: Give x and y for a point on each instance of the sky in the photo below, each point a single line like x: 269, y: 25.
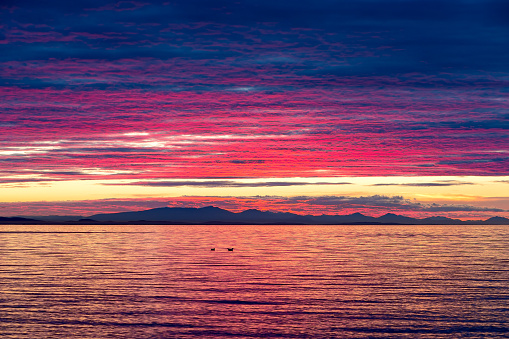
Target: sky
x: 312, y: 107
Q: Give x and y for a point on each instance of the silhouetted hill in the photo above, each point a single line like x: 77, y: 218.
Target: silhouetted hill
x: 256, y: 216
x: 391, y: 218
x: 356, y: 218
x: 168, y: 214
x: 54, y: 218
x: 17, y: 220
x: 496, y: 221
x: 441, y: 221
x: 217, y: 215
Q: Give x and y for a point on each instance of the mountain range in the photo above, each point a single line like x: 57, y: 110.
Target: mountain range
x: 215, y: 215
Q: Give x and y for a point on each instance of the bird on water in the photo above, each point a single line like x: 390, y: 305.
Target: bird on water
x: 230, y: 249
x: 212, y: 249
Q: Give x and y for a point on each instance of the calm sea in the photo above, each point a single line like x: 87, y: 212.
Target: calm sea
x: 278, y: 282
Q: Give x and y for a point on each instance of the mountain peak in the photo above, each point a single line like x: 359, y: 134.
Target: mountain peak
x: 211, y: 208
x: 252, y: 210
x: 357, y: 214
x: 497, y: 220
x: 391, y: 215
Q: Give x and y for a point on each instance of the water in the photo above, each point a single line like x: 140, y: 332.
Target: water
x: 279, y: 282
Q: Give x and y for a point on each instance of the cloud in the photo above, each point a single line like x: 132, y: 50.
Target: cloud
x: 460, y: 208
x: 223, y: 183
x: 429, y: 184
x: 382, y: 202
x: 336, y: 88
x: 20, y: 180
x: 474, y: 161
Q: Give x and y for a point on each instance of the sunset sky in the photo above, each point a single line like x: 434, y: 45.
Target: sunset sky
x: 311, y: 107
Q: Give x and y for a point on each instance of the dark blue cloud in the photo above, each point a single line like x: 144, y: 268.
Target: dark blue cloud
x: 383, y: 202
x: 429, y: 184
x: 341, y: 38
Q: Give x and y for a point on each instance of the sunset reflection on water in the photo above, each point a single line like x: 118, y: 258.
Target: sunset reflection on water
x: 280, y: 281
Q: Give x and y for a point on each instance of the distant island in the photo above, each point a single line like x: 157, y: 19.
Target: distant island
x: 213, y: 215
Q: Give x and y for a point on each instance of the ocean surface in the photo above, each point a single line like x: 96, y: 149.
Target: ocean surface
x: 278, y: 282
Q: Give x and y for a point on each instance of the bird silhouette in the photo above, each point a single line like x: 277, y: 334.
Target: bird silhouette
x: 230, y: 249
